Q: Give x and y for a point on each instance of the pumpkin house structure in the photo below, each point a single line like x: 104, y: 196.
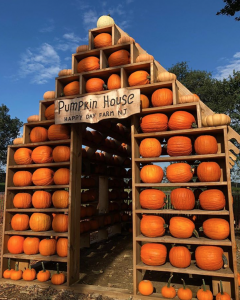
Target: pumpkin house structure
x: 67, y: 182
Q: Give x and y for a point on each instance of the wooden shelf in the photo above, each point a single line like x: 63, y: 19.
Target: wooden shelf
x: 170, y: 108
x: 37, y: 257
x: 40, y: 123
x: 190, y: 241
x: 47, y: 143
x: 157, y: 296
x: 35, y: 166
x: 32, y: 210
x: 33, y: 187
x: 182, y: 184
x: 183, y: 212
x: 37, y: 233
x: 192, y: 269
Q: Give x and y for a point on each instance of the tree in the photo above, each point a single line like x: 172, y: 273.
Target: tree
x: 9, y: 130
x: 231, y: 7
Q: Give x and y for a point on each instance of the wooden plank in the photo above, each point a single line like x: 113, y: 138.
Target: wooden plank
x: 175, y: 93
x: 32, y: 210
x: 36, y: 166
x: 115, y: 35
x: 47, y: 143
x: 153, y: 72
x: 188, y: 184
x: 191, y: 107
x: 37, y: 257
x: 34, y: 233
x: 45, y: 187
x: 133, y: 53
x: 103, y: 195
x: 183, y: 212
x: 103, y: 60
x: 233, y: 148
x: 199, y: 117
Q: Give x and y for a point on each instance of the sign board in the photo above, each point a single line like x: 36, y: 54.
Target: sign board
x: 118, y: 104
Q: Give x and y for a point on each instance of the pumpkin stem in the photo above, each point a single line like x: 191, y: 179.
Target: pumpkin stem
x: 195, y: 233
x: 44, y: 270
x: 194, y: 125
x: 225, y: 261
x: 221, y: 288
x: 165, y: 225
x: 169, y: 281
x: 57, y: 268
x: 184, y: 285
x: 149, y: 77
x: 16, y: 266
x: 9, y: 268
x: 200, y: 229
x: 204, y: 285
x: 105, y: 86
x: 30, y: 267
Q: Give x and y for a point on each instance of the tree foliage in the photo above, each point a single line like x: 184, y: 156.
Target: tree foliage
x: 231, y: 7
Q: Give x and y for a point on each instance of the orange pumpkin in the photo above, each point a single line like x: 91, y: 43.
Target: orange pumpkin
x: 58, y: 278
x: 180, y: 257
x: 61, y: 153
x: 151, y: 174
x: 42, y: 155
x: 168, y: 291
x: 29, y: 274
x: 50, y: 112
x: 145, y: 287
x: 61, y: 176
x: 209, y: 258
x: 47, y: 247
x: 43, y: 275
x: 184, y: 293
x: 206, y: 144
x: 87, y: 64
x: 144, y: 101
x: 95, y: 85
x: 22, y: 178
x: 62, y: 247
x: 31, y: 245
x: 181, y: 120
x: 15, y: 244
x: 209, y: 171
x: 152, y: 226
x: 179, y: 146
x: 23, y: 156
x: 43, y: 176
x: 162, y: 97
x: 222, y: 295
x: 16, y: 274
x: 212, y: 199
x: 114, y: 82
x: 150, y: 147
x: 204, y: 294
x: 40, y: 222
x: 71, y: 88
x: 60, y: 199
x: 119, y: 58
x: 152, y: 199
x: 41, y: 199
x: 179, y: 172
x: 102, y: 40
x: 38, y: 134
x: 216, y: 228
x: 182, y: 199
x: 182, y: 228
x: 22, y: 200
x: 60, y: 223
x: 49, y: 95
x: 20, y: 222
x: 82, y: 48
x: 7, y: 273
x: 153, y: 254
x: 154, y: 123
x: 58, y: 132
x: 139, y: 78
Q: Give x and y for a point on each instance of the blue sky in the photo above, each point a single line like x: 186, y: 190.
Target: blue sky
x: 39, y: 37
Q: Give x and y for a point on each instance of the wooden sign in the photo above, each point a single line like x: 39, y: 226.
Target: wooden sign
x: 118, y: 104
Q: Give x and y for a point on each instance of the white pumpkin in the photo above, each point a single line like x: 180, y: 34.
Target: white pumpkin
x: 105, y: 21
x: 166, y: 76
x: 216, y: 120
x: 189, y: 98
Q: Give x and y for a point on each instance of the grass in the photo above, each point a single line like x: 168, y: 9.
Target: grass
x: 2, y: 187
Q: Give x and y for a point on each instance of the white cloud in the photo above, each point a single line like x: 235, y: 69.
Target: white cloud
x: 90, y: 18
x: 226, y: 70
x: 69, y: 42
x: 129, y: 1
x: 117, y: 10
x: 42, y: 64
x: 71, y: 37
x: 48, y: 27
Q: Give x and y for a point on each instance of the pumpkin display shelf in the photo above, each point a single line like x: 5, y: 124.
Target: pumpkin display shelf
x: 116, y: 62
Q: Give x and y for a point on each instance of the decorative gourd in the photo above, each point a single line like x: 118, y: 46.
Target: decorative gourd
x: 29, y: 274
x: 119, y: 58
x: 33, y: 118
x: 87, y: 64
x: 145, y: 287
x: 152, y: 226
x: 168, y: 291
x: 153, y: 254
x: 102, y: 40
x: 204, y: 294
x: 144, y: 101
x: 151, y: 174
x: 61, y: 176
x: 41, y: 199
x: 40, y: 222
x: 180, y: 257
x: 125, y: 39
x: 152, y: 199
x: 58, y: 278
x: 150, y: 147
x: 22, y: 200
x: 181, y: 120
x: 20, y: 222
x: 216, y: 228
x: 42, y: 155
x: 206, y: 144
x: 216, y: 120
x: 15, y: 244
x: 105, y: 21
x: 179, y: 146
x: 95, y: 85
x: 210, y: 258
x: 23, y: 156
x: 60, y: 199
x: 162, y: 97
x: 65, y: 72
x: 114, y: 82
x: 61, y: 153
x: 18, y: 141
x: 139, y: 78
x: 222, y: 295
x: 189, y: 98
x: 43, y: 177
x: 47, y: 247
x: 154, y: 123
x: 144, y: 57
x: 58, y: 132
x: 62, y: 247
x: 82, y: 48
x: 182, y: 228
x: 212, y: 199
x: 71, y: 88
x: 179, y: 172
x: 43, y: 275
x: 208, y: 171
x: 60, y: 223
x: 182, y: 199
x: 38, y: 134
x: 7, y: 273
x: 31, y: 245
x: 22, y: 178
x: 49, y: 95
x: 50, y: 112
x: 184, y: 293
x: 16, y: 274
x: 166, y: 76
